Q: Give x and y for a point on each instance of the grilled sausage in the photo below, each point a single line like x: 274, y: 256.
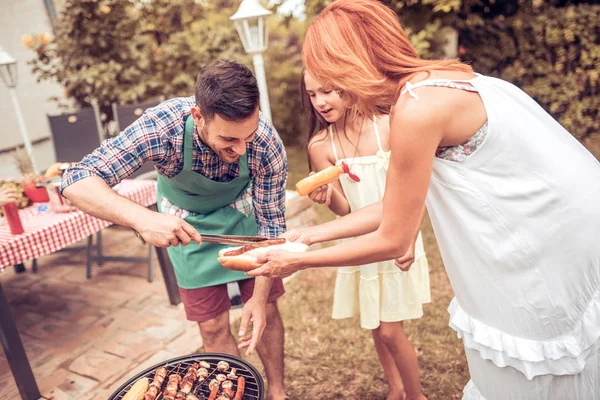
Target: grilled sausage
x: 213, y: 393
x: 241, y: 384
x: 265, y: 243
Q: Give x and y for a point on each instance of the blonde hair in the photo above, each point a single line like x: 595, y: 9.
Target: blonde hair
x: 359, y: 46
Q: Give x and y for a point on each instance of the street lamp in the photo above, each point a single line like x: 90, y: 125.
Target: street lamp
x: 251, y: 23
x: 8, y: 73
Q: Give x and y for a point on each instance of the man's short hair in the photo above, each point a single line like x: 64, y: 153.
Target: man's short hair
x: 226, y: 88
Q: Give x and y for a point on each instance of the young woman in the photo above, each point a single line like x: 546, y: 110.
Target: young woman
x: 382, y: 293
x: 512, y: 196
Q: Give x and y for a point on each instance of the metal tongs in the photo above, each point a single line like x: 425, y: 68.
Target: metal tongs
x: 231, y: 239
x: 225, y: 239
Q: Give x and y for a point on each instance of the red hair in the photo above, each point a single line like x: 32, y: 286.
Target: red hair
x: 359, y: 46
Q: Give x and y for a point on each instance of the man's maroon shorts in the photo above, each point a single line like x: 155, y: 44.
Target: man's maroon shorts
x: 207, y: 303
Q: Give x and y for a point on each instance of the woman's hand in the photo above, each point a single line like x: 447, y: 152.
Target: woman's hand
x: 277, y: 264
x: 297, y: 236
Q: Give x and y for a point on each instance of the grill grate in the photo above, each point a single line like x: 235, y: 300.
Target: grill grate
x: 254, y: 387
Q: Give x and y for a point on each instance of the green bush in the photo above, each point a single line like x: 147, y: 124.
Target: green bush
x: 552, y: 53
x: 127, y: 52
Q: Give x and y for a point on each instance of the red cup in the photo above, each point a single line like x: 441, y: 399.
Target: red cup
x: 11, y: 213
x: 36, y: 194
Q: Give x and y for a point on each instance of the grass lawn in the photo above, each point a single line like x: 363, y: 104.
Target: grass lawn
x: 335, y: 359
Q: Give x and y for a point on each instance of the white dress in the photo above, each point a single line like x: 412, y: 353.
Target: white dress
x: 378, y: 291
x: 518, y: 224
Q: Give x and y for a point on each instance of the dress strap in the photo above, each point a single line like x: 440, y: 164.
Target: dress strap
x: 451, y: 83
x: 188, y: 143
x: 330, y: 130
x: 376, y: 129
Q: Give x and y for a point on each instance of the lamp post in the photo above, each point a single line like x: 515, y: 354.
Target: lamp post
x: 251, y: 23
x: 8, y: 73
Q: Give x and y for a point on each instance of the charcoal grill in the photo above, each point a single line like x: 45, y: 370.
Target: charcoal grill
x: 254, y: 387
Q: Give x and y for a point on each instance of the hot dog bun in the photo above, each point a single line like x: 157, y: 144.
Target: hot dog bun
x: 247, y: 261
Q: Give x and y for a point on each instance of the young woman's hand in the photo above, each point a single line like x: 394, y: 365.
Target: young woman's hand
x: 7, y: 195
x: 406, y: 261
x: 322, y: 194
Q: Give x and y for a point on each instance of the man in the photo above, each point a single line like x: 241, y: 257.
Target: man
x: 222, y: 169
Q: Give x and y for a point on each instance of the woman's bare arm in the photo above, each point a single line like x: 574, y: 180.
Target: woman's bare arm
x: 415, y: 136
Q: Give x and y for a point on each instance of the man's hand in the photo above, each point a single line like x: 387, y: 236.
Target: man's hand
x: 405, y: 262
x: 164, y: 230
x: 254, y: 311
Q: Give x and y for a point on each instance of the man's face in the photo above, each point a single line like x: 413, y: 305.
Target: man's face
x: 227, y: 139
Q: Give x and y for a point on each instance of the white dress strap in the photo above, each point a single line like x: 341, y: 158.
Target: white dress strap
x: 451, y: 83
x: 332, y: 143
x: 377, y: 133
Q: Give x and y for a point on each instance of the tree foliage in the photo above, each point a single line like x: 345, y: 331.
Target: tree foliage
x: 551, y: 49
x: 131, y: 51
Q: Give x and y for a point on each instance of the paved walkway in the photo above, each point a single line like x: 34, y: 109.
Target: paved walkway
x: 86, y: 337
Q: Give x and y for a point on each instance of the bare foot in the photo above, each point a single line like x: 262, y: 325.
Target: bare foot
x: 278, y: 396
x: 421, y: 397
x: 395, y: 395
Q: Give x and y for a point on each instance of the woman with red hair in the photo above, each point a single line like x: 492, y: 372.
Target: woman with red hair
x: 513, y: 199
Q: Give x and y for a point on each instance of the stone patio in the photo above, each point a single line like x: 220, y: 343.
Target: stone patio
x: 83, y: 337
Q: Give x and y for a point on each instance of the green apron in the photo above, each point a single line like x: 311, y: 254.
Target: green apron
x: 197, y: 266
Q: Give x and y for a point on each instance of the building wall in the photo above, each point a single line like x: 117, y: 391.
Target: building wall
x: 16, y: 19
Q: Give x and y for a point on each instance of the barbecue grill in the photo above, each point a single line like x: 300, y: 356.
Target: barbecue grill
x: 254, y: 389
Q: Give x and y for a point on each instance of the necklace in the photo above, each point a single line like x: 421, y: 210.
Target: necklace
x: 356, y: 152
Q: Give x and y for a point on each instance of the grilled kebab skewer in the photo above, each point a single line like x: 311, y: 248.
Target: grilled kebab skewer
x: 154, y: 388
x: 188, y: 381
x: 171, y: 390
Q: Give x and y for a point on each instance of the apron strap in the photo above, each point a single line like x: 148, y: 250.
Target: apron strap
x: 188, y: 143
x: 244, y: 170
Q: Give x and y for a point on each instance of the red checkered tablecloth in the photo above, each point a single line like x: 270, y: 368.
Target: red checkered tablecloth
x: 47, y: 232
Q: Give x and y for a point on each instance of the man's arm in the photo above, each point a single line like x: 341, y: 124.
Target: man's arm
x: 93, y: 196
x: 88, y: 184
x: 268, y: 197
x: 357, y: 223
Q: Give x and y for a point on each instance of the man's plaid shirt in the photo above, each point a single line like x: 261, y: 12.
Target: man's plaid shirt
x: 157, y: 136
